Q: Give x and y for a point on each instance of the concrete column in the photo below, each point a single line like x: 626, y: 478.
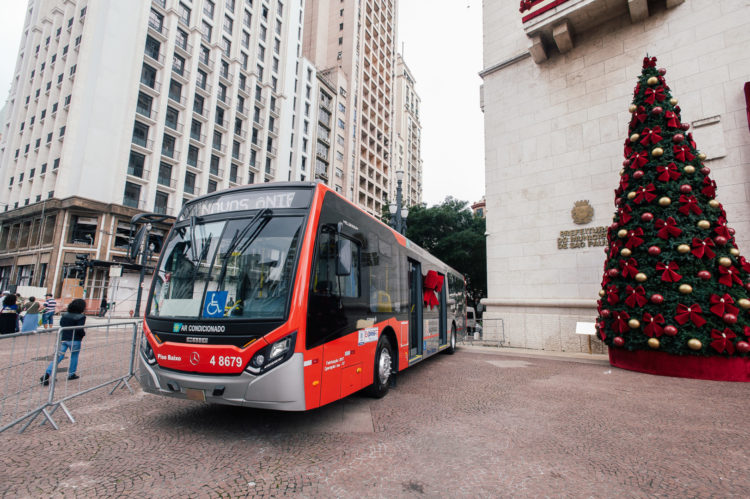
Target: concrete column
x: 638, y: 10
x: 537, y: 50
x: 563, y: 35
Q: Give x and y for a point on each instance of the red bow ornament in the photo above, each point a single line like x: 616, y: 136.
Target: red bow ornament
x: 721, y: 305
x: 651, y: 135
x: 683, y: 153
x: 624, y: 182
x: 691, y: 313
x: 744, y: 264
x: 600, y: 329
x: 628, y: 268
x: 634, y: 239
x: 723, y: 230
x: 668, y: 172
x: 625, y: 214
x: 722, y: 340
x: 640, y: 114
x: 645, y: 194
x: 689, y: 204
x: 710, y: 187
x: 620, y: 323
x: 729, y: 275
x: 703, y: 248
x: 638, y: 159
x: 635, y: 296
x: 668, y: 228
x: 672, y: 121
x: 432, y: 284
x: 649, y: 62
x: 669, y: 274
x: 652, y: 325
x: 655, y: 94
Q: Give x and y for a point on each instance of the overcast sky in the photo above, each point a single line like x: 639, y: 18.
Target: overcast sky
x: 442, y: 45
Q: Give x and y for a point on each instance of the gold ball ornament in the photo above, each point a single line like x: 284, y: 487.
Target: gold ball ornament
x: 634, y: 137
x: 713, y: 203
x: 725, y: 261
x: 641, y: 277
x: 664, y: 201
x: 657, y: 152
x: 602, y: 293
x: 673, y: 101
x: 622, y: 233
x: 683, y: 248
x: 626, y: 252
x: 734, y: 252
x: 685, y: 289
x: 652, y: 81
x: 702, y: 156
x: 744, y: 303
x: 634, y: 323
x: 621, y: 172
x: 653, y: 343
x: 631, y: 195
x: 690, y: 169
x: 704, y: 224
x: 632, y: 108
x: 694, y: 344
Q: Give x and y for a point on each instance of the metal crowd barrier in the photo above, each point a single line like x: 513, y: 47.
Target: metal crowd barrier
x: 106, y: 357
x: 488, y: 332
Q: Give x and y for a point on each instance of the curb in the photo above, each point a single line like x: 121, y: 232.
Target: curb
x: 580, y: 358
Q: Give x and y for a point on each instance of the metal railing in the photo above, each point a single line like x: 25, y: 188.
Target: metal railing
x: 105, y: 357
x: 488, y: 332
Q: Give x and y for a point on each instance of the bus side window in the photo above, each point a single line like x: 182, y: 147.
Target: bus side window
x: 337, y: 274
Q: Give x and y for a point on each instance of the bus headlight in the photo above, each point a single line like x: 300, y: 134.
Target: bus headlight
x: 269, y: 357
x: 147, y: 351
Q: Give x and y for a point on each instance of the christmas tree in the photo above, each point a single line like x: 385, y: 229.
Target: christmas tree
x: 674, y: 296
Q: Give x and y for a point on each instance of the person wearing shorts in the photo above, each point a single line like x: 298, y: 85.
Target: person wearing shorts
x: 49, y: 311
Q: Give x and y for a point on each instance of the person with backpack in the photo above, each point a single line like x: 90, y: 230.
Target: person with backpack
x: 31, y: 309
x: 71, y: 339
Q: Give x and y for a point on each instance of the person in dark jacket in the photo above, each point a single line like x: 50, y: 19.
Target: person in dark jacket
x: 9, y: 315
x: 71, y: 338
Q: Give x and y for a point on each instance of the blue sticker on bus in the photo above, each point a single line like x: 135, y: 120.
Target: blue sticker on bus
x: 215, y: 303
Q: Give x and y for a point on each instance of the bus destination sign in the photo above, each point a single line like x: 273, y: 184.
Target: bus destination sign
x: 248, y: 200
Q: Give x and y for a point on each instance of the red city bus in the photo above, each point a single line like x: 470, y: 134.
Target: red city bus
x: 287, y: 296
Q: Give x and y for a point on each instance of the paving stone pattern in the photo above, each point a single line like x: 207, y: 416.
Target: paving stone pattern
x: 474, y: 424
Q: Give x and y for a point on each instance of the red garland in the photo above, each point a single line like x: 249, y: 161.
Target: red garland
x: 703, y: 248
x: 689, y: 203
x: 668, y: 228
x: 691, y: 313
x: 669, y: 274
x: 722, y: 340
x: 645, y: 194
x: 721, y: 305
x: 635, y: 296
x: 652, y: 325
x: 668, y: 172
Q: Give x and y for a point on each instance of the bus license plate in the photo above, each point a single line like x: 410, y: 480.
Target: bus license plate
x: 193, y: 394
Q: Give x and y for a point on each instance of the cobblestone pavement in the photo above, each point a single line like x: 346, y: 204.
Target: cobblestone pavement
x: 475, y: 424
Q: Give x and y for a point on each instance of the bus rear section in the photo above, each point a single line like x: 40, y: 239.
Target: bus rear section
x: 293, y: 306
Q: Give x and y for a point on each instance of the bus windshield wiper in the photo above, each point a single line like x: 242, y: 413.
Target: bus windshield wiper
x: 193, y: 254
x: 264, y: 214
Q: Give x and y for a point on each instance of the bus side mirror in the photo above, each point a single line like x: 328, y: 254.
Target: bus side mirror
x: 344, y: 260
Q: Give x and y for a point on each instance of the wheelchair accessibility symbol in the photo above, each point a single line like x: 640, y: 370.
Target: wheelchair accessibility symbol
x: 215, y: 303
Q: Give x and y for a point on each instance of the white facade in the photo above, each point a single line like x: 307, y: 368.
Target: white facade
x: 407, y: 150
x: 555, y: 97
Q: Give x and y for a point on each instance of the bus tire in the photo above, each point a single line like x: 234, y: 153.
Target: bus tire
x: 451, y: 342
x: 382, y: 370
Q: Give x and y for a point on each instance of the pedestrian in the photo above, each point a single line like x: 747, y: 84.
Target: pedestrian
x: 19, y: 303
x: 9, y: 315
x: 32, y: 309
x: 103, y: 307
x: 49, y: 311
x: 71, y: 338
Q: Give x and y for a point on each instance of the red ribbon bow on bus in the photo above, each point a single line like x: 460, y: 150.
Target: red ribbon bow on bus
x: 432, y: 284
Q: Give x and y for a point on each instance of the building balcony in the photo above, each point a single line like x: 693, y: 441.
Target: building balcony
x: 154, y: 59
x: 200, y: 138
x: 167, y: 183
x: 550, y: 23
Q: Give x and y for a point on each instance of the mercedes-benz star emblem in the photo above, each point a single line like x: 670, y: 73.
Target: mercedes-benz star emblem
x: 195, y: 358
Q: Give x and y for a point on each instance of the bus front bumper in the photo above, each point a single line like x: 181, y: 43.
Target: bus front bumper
x: 281, y: 388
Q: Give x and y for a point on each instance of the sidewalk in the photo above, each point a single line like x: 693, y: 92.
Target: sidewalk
x: 578, y: 357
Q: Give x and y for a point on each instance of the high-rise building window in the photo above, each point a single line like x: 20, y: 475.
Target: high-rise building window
x: 135, y: 164
x: 208, y: 8
x: 192, y: 157
x: 181, y: 40
x: 201, y: 79
x: 206, y: 31
x: 262, y: 34
x: 189, y: 183
x: 143, y: 106
x: 245, y: 39
x: 156, y: 20
x: 175, y: 90
x: 204, y: 55
x: 228, y: 25
x: 198, y: 104
x: 214, y: 166
x: 233, y: 173
x: 219, y: 117
x: 140, y: 134
x: 217, y: 140
x: 226, y: 46
x: 148, y: 76
x: 276, y: 46
x: 160, y: 202
x: 167, y: 146
x: 235, y: 149
x: 178, y: 65
x: 195, y: 130
x: 247, y: 18
x: 171, y: 118
x: 212, y: 185
x: 132, y: 195
x: 230, y: 5
x: 165, y: 174
x: 152, y: 47
x: 183, y: 13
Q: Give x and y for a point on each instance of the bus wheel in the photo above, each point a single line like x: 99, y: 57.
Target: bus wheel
x: 451, y: 342
x: 383, y: 369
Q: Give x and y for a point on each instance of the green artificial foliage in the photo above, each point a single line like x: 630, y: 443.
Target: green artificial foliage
x: 662, y: 201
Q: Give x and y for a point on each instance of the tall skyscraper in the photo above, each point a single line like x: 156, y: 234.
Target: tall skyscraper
x: 359, y: 39
x: 118, y: 107
x: 407, y: 151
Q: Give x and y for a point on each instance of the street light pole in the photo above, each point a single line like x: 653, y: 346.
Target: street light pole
x: 398, y: 211
x: 144, y: 262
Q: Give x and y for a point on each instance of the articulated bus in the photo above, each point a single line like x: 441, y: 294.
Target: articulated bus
x: 286, y: 296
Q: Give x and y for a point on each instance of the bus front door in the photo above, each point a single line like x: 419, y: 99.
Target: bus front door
x: 415, y: 311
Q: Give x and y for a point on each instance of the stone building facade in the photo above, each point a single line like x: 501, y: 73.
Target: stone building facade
x: 557, y: 82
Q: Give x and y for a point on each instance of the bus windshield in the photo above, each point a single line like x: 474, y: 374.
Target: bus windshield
x: 232, y: 269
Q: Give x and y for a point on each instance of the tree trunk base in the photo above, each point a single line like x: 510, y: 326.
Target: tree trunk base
x: 714, y: 368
